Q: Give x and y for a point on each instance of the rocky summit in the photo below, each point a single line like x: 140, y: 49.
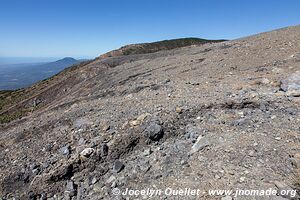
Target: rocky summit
x: 209, y: 116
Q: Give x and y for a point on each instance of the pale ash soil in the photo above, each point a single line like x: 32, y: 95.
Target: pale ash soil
x: 228, y: 93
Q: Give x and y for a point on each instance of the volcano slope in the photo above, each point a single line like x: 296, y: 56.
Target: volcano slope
x: 211, y: 116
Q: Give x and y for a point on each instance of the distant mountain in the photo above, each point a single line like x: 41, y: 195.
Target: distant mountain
x: 59, y: 64
x: 17, y: 76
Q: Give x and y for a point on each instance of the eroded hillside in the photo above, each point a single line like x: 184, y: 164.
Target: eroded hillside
x: 211, y: 116
x: 18, y: 103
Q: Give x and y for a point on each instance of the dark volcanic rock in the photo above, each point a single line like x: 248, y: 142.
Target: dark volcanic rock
x: 154, y: 131
x: 118, y: 166
x: 104, y: 150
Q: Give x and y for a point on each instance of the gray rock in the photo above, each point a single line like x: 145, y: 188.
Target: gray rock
x: 35, y: 171
x: 87, y: 152
x: 183, y: 162
x: 201, y: 143
x: 111, y: 131
x: 242, y: 179
x: 263, y: 107
x: 45, y: 164
x: 154, y: 131
x: 34, y: 166
x: 82, y: 122
x: 48, y: 147
x: 144, y: 166
x: 240, y: 122
x: 98, y: 187
x: 104, y: 150
x: 65, y: 150
x: 291, y: 85
x: 94, y: 180
x: 81, y: 141
x: 80, y: 193
x: 147, y: 152
x: 291, y: 111
x: 118, y: 166
x: 192, y: 132
x: 67, y: 195
x: 70, y: 188
x: 113, y: 185
x: 166, y: 81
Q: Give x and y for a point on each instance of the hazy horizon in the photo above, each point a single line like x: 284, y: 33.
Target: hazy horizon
x: 10, y: 60
x: 20, y: 75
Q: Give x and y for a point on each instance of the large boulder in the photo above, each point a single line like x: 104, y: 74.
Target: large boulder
x: 291, y: 85
x: 154, y: 131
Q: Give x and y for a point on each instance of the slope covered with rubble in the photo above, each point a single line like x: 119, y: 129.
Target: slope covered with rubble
x: 212, y: 116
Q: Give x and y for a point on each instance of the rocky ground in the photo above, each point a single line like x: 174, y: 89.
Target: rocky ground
x: 214, y: 116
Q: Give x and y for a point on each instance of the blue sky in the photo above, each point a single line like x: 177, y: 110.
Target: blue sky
x: 88, y: 28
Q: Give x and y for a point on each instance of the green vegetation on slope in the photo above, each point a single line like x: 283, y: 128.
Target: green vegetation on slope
x: 164, y: 45
x: 144, y: 48
x: 15, y: 104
